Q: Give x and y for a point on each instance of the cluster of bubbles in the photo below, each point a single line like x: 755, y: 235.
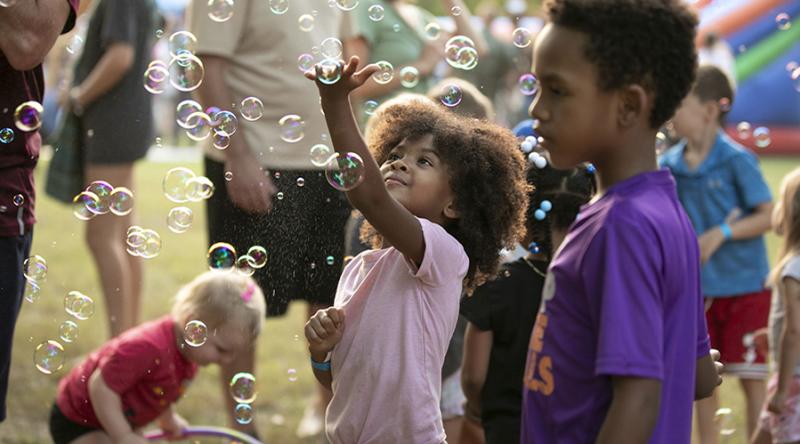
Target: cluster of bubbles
x: 450, y: 95
x: 185, y: 70
x: 100, y: 197
x: 28, y: 116
x: 214, y: 122
x: 182, y: 185
x: 222, y: 256
x: 6, y: 135
x: 761, y: 136
x: 528, y: 84
x: 142, y: 242
x: 195, y: 333
x: 528, y: 144
x: 48, y: 356
x: 34, y: 270
x: 345, y: 171
x: 78, y: 305
x: 460, y: 52
x: 220, y: 10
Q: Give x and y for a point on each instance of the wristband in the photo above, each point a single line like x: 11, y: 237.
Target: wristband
x: 726, y: 231
x: 321, y: 366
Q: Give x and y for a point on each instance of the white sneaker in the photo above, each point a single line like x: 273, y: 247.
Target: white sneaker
x: 312, y: 424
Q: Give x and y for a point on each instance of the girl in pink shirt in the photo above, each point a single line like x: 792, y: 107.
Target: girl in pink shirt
x: 135, y: 378
x: 442, y: 195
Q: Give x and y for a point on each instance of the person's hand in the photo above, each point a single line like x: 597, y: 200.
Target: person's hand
x: 718, y: 366
x: 324, y: 330
x: 776, y: 402
x: 710, y: 241
x: 351, y: 78
x: 250, y: 188
x: 173, y: 425
x: 132, y: 438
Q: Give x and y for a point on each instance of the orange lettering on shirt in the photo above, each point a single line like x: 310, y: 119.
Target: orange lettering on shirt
x: 545, y: 367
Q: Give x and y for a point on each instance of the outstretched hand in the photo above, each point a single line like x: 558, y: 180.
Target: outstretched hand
x: 351, y: 77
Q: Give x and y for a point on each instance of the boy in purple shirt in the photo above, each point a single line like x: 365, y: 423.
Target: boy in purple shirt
x: 620, y: 348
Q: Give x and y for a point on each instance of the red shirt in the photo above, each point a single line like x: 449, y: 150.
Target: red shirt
x: 143, y: 366
x: 18, y: 158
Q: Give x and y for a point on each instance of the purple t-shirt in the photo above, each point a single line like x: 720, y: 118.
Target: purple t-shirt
x: 622, y: 298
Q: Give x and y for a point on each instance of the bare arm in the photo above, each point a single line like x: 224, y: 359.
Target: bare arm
x: 633, y: 412
x: 110, y: 69
x: 475, y: 366
x: 108, y: 408
x: 789, y: 350
x: 395, y: 223
x: 28, y: 30
x: 324, y: 378
x: 756, y: 224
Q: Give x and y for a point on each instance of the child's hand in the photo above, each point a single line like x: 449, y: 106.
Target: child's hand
x: 173, y: 425
x: 718, y: 366
x: 709, y: 242
x: 324, y: 330
x: 776, y: 402
x: 351, y: 78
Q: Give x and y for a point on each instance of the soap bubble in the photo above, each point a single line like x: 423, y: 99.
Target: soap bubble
x: 199, y: 188
x: 258, y: 254
x: 28, y: 116
x: 18, y: 200
x: 330, y: 260
x: 225, y: 123
x: 220, y: 10
x: 292, y: 375
x: 174, y: 184
x: 74, y: 44
x: 301, y: 182
x: 243, y: 413
x: 279, y: 195
x: 68, y: 331
x: 385, y: 74
x: 6, y: 135
x: 252, y: 108
x: 528, y: 84
x: 221, y: 256
x: 34, y: 268
x: 184, y: 110
x: 725, y: 422
x: 292, y: 128
x: 346, y: 5
x: 331, y: 48
x: 762, y: 137
x: 320, y: 155
x: 228, y: 176
x: 460, y: 52
x: 32, y: 290
x: 345, y: 171
x: 156, y: 79
x: 85, y: 205
x: 743, y: 129
x: 409, y: 76
x: 369, y: 107
x: 306, y: 22
x: 48, y: 357
x: 220, y: 141
x: 102, y: 190
x: 306, y: 62
x: 179, y: 219
x: 450, y: 95
x: 795, y: 76
x: 186, y: 71
x: 121, y: 201
x: 456, y: 10
x: 433, y: 30
x: 244, y: 265
x: 243, y: 388
x: 330, y: 71
x: 521, y: 37
x: 79, y: 305
x: 783, y: 21
x: 182, y: 41
x: 152, y: 244
x: 278, y: 7
x: 195, y: 333
x: 375, y: 13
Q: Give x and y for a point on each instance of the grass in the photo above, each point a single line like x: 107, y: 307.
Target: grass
x: 59, y: 238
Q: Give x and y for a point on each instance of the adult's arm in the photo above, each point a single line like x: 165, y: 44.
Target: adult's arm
x: 29, y: 28
x: 115, y: 62
x: 633, y: 413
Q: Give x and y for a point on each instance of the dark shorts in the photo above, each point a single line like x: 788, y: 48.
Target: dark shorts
x: 13, y: 251
x: 63, y: 430
x: 303, y: 235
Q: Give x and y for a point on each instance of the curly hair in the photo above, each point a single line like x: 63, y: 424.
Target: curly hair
x: 487, y: 177
x: 566, y: 190
x: 648, y: 42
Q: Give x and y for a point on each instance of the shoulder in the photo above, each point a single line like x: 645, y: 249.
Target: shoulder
x: 671, y: 157
x: 791, y: 268
x: 733, y: 151
x: 437, y: 234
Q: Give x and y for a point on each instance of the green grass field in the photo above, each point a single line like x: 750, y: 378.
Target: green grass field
x: 59, y: 238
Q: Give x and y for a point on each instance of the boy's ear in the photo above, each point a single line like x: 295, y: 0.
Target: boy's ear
x: 634, y: 103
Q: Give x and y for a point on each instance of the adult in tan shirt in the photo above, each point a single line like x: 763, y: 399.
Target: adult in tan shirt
x: 268, y: 192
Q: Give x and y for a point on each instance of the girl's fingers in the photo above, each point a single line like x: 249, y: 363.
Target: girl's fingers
x: 336, y: 314
x: 328, y: 324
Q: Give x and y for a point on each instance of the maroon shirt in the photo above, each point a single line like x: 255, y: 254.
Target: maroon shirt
x: 18, y: 158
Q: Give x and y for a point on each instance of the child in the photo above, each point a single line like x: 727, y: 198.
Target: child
x: 448, y: 195
x: 716, y: 177
x: 136, y: 377
x: 780, y: 419
x: 501, y: 313
x: 619, y: 349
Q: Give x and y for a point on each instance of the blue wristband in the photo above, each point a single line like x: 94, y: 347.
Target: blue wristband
x: 726, y: 231
x: 321, y: 366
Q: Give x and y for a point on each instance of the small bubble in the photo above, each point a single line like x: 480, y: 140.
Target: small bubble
x: 292, y: 128
x: 220, y: 10
x: 243, y: 388
x: 301, y: 182
x: 306, y: 22
x: 456, y: 10
x: 68, y: 331
x: 79, y: 305
x: 18, y: 200
x: 279, y: 195
x: 292, y: 374
x: 258, y: 254
x: 345, y: 171
x: 48, y: 357
x: 385, y: 74
x: 743, y: 129
x: 375, y: 13
x: 330, y: 260
x: 243, y: 413
x: 278, y: 7
x: 6, y: 135
x: 221, y: 255
x: 783, y: 21
x: 228, y: 176
x: 195, y: 333
x: 762, y: 137
x: 521, y: 37
x: 450, y: 95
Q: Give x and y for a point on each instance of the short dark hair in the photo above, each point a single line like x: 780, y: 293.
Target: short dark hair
x: 648, y: 42
x: 566, y: 190
x: 487, y: 176
x: 712, y: 84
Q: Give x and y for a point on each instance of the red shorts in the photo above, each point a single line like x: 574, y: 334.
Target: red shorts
x: 731, y: 324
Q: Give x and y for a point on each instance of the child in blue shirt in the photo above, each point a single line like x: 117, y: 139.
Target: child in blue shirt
x: 722, y: 189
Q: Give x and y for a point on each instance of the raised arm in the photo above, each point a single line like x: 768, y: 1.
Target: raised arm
x: 28, y: 30
x: 396, y: 224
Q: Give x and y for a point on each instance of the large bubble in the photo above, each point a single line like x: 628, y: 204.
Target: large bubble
x: 345, y: 171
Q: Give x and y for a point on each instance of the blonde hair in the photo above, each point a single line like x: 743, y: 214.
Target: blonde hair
x: 220, y: 297
x: 786, y: 222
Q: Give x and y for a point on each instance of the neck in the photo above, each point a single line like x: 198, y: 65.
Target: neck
x: 631, y: 158
x: 178, y: 330
x: 701, y: 144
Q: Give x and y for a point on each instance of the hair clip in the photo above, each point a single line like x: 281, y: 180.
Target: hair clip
x: 590, y: 168
x: 247, y: 294
x: 534, y: 248
x: 537, y: 159
x: 543, y: 209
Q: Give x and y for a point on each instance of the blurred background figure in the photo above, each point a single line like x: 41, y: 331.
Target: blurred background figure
x: 716, y: 51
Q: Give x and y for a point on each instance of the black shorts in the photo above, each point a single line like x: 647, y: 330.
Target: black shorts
x: 13, y: 252
x: 303, y: 235
x: 63, y: 430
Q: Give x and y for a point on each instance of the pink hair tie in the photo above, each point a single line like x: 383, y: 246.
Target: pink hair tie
x: 247, y: 294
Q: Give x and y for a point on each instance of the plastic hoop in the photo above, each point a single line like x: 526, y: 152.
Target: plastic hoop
x: 219, y: 432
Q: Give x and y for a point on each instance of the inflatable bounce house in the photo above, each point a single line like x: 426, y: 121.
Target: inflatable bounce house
x: 765, y: 38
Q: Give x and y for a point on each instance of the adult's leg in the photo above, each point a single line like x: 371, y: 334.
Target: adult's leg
x: 13, y: 251
x: 755, y: 391
x: 120, y: 273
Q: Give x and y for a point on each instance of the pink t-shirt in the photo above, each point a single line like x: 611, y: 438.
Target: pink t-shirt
x: 398, y: 321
